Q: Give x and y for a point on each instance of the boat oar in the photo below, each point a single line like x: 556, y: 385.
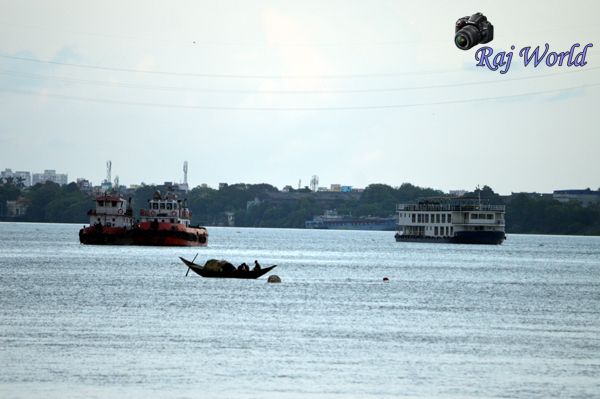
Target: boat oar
x: 186, y: 273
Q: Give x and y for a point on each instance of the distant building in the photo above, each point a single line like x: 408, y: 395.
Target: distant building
x: 17, y: 208
x: 6, y: 174
x: 346, y: 189
x: 170, y: 186
x: 106, y: 186
x: 230, y: 218
x: 322, y: 189
x: 335, y: 188
x: 18, y: 176
x: 84, y: 185
x: 255, y: 202
x: 457, y: 193
x: 584, y: 197
x: 531, y: 194
x: 507, y: 199
x: 49, y: 175
x: 97, y: 190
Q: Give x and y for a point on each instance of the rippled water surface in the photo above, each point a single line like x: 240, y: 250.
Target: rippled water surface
x: 454, y: 321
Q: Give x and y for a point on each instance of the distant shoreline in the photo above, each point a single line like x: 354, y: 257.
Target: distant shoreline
x: 508, y: 233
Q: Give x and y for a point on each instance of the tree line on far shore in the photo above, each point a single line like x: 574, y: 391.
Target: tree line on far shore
x: 251, y: 206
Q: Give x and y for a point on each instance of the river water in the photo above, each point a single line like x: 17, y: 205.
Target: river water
x: 520, y: 320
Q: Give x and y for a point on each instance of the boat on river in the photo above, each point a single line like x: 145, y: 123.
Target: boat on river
x: 165, y: 222
x: 331, y: 220
x: 460, y: 220
x: 223, y: 269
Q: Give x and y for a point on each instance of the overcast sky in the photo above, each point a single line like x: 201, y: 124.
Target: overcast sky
x: 356, y: 92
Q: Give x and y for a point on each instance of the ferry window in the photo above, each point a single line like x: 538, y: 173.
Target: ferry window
x: 490, y: 216
x: 154, y: 205
x: 175, y: 206
x: 172, y: 220
x: 114, y: 203
x: 451, y: 230
x: 426, y: 218
x: 100, y: 203
x: 162, y: 205
x: 435, y: 231
x: 113, y: 219
x: 413, y: 218
x: 449, y: 218
x: 473, y: 216
x: 437, y: 218
x: 444, y: 218
x: 169, y: 206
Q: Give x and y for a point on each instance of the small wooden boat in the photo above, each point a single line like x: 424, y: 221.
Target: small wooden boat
x: 205, y: 272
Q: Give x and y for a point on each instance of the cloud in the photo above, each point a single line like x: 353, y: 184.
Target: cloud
x: 281, y: 32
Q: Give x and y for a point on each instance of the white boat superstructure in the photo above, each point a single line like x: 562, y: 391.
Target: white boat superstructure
x: 451, y: 219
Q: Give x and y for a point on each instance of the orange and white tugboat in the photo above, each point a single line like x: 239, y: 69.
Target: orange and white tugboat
x: 167, y: 222
x: 111, y: 223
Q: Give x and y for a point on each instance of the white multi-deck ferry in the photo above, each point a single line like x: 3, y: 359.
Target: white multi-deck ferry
x: 462, y: 220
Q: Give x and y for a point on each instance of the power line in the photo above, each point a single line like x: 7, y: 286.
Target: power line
x: 335, y: 108
x: 192, y: 41
x: 129, y: 85
x: 225, y: 76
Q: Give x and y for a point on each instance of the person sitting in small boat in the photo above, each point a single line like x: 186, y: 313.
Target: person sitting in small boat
x: 243, y: 267
x: 256, y: 265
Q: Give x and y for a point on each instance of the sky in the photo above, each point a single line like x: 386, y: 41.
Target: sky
x: 355, y: 92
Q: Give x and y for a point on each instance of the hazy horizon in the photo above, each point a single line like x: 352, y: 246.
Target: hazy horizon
x: 277, y: 91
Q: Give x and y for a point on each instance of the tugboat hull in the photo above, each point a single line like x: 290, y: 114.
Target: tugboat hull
x: 173, y: 236
x: 100, y: 235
